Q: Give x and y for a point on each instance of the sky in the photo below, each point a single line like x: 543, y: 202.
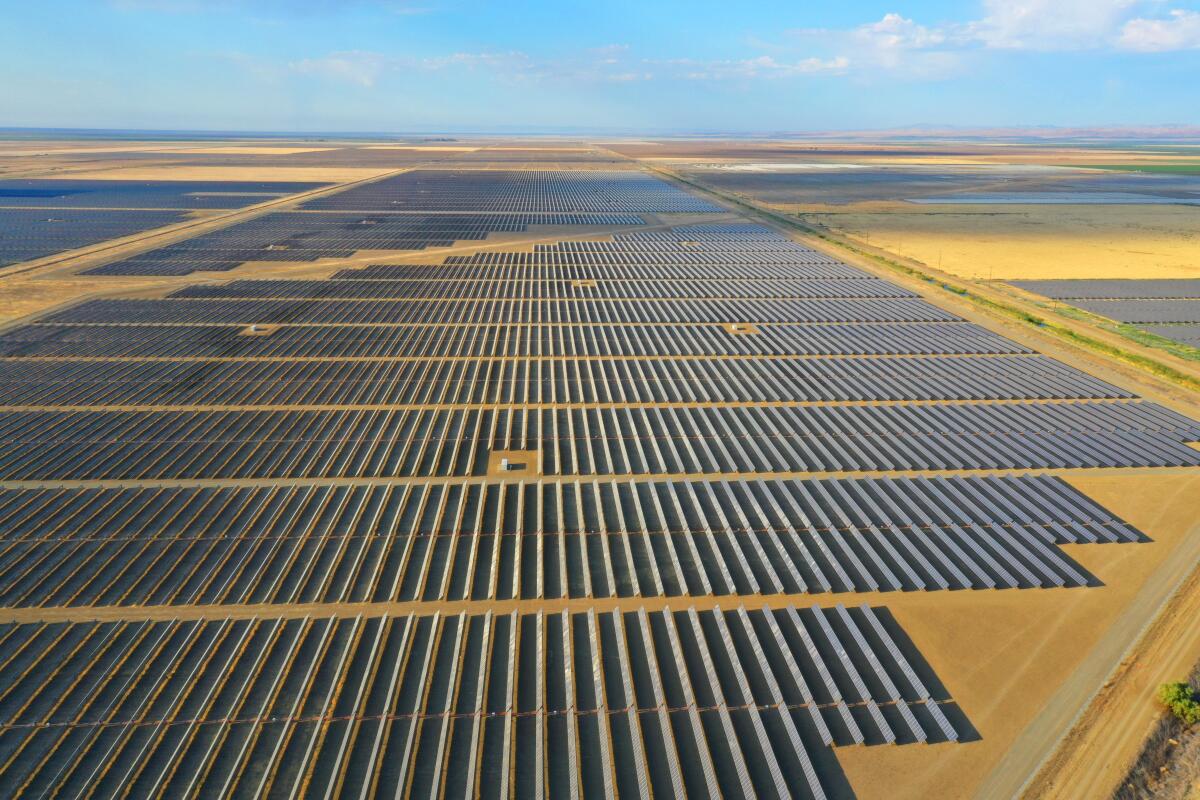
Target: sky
x: 656, y: 66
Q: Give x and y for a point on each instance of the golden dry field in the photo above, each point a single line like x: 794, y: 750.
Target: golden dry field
x: 1029, y: 242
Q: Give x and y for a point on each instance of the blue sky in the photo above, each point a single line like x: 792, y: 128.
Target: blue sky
x: 657, y: 66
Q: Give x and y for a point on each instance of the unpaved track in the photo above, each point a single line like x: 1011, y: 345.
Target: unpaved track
x: 1107, y: 736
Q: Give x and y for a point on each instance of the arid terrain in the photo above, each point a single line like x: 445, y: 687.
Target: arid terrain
x: 1048, y: 688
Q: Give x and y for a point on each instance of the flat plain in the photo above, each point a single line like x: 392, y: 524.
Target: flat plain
x: 516, y: 468
x: 1002, y: 212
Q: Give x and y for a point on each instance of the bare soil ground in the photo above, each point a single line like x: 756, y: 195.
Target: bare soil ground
x: 250, y: 150
x: 1007, y: 656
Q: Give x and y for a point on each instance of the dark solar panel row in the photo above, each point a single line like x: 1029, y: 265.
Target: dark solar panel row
x: 1183, y: 332
x: 500, y: 311
x: 516, y: 190
x: 1159, y: 289
x: 418, y: 290
x: 54, y: 445
x: 495, y: 265
x: 412, y: 542
x: 1144, y: 311
x: 298, y: 236
x: 703, y: 703
x: 1166, y: 307
x: 26, y: 234
x: 397, y: 341
x: 71, y: 193
x: 510, y: 381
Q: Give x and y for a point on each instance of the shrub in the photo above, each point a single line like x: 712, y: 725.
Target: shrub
x: 1180, y: 700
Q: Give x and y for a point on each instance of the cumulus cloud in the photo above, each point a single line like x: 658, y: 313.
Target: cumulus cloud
x: 893, y: 45
x: 1180, y: 30
x: 894, y: 32
x: 1049, y: 24
x: 903, y: 46
x: 900, y: 45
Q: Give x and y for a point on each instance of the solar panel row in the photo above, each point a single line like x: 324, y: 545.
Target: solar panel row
x: 443, y: 289
x: 358, y: 312
x: 708, y: 702
x: 54, y: 445
x: 98, y: 340
x: 1164, y: 307
x: 530, y: 540
x: 513, y: 382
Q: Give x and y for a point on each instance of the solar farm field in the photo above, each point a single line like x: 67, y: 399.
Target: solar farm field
x: 548, y: 482
x: 1168, y: 308
x: 40, y: 217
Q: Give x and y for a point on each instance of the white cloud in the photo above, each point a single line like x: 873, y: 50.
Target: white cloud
x: 894, y: 44
x: 894, y: 32
x: 353, y: 66
x: 902, y: 46
x: 1049, y: 24
x: 1179, y: 31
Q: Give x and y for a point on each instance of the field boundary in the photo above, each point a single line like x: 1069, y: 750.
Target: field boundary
x: 1183, y: 374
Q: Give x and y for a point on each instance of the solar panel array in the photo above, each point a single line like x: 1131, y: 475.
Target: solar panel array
x: 1167, y: 308
x: 517, y: 190
x: 491, y: 705
x: 309, y: 341
x: 26, y: 234
x: 505, y: 525
x: 124, y: 194
x: 537, y: 539
x: 300, y: 236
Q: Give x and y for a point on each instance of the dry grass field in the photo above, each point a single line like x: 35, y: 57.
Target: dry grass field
x: 1030, y: 242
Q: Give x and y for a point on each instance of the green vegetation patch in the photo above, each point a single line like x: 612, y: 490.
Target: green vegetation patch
x: 1132, y: 332
x: 1181, y: 700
